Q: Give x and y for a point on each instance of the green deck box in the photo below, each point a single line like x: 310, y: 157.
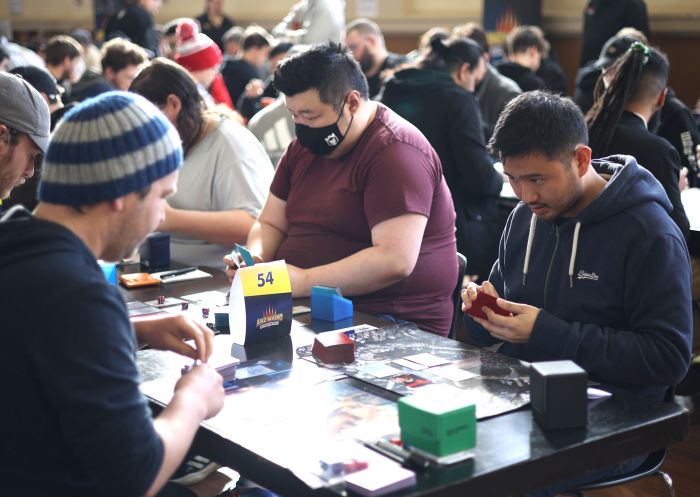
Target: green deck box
x: 439, y: 425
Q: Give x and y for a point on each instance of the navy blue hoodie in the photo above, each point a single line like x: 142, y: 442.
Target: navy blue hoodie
x: 614, y: 297
x: 73, y: 420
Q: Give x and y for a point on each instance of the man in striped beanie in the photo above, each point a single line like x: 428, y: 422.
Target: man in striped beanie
x: 79, y: 424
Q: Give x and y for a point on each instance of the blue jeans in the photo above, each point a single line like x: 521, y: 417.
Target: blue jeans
x: 595, y: 476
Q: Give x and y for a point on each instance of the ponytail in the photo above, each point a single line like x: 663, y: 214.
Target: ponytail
x: 610, y: 102
x: 451, y: 55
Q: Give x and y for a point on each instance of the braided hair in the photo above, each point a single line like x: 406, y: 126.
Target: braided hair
x: 641, y: 72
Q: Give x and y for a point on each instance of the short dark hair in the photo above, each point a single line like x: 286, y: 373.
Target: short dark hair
x: 451, y: 55
x: 119, y: 53
x: 255, y: 38
x: 364, y: 27
x: 59, y: 47
x: 327, y: 67
x: 163, y: 77
x: 281, y: 47
x: 474, y: 32
x: 538, y: 122
x: 524, y: 37
x: 233, y: 34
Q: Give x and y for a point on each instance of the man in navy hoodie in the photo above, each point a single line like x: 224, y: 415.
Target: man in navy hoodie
x: 591, y: 270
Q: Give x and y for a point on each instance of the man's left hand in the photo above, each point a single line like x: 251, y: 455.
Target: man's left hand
x: 516, y: 328
x: 168, y: 332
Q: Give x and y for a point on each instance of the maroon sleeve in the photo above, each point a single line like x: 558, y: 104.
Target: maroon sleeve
x: 282, y: 181
x: 402, y: 179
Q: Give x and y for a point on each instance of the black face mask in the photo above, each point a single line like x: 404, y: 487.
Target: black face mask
x: 323, y: 140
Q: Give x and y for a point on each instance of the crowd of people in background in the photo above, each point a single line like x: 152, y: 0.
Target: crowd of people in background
x: 238, y: 96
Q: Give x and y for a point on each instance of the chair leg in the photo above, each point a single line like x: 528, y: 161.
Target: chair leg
x: 666, y: 478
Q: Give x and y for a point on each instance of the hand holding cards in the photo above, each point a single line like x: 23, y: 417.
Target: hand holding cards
x: 241, y: 254
x: 483, y: 299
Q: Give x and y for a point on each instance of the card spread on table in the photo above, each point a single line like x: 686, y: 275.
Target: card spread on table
x: 453, y: 373
x: 379, y: 370
x: 213, y: 297
x: 138, y: 308
x: 379, y: 480
x: 165, y: 303
x: 300, y: 309
x: 427, y: 360
x: 409, y: 380
x: 408, y: 364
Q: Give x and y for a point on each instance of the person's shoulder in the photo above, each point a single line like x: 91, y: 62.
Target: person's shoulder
x: 503, y: 82
x: 390, y: 128
x: 230, y: 134
x: 232, y: 64
x: 637, y: 140
x: 393, y: 59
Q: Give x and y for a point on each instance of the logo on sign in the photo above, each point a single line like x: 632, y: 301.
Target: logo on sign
x: 269, y: 318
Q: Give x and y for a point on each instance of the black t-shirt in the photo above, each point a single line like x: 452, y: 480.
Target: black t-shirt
x: 526, y: 79
x: 375, y: 82
x: 212, y: 31
x: 678, y: 126
x: 137, y: 24
x: 655, y: 154
x: 237, y: 73
x: 603, y: 18
x: 73, y: 420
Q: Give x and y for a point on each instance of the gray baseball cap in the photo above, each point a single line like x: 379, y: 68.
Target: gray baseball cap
x: 22, y: 108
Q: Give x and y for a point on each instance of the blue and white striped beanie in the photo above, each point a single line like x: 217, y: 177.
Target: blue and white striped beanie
x: 107, y: 147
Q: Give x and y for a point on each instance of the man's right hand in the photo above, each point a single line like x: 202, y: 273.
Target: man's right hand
x: 470, y: 292
x: 205, y: 385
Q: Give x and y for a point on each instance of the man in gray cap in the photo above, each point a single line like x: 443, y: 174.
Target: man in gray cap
x: 24, y: 131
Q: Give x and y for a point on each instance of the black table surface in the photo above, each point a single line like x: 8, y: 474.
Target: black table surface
x: 513, y: 454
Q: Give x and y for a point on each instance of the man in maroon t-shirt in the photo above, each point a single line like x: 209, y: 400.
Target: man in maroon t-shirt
x: 358, y: 200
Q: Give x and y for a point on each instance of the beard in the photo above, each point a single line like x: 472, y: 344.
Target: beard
x: 366, y: 62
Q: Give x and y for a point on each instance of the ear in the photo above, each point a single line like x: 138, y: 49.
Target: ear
x: 661, y: 98
x: 354, y: 101
x: 4, y: 137
x: 118, y: 204
x: 172, y: 107
x: 108, y: 73
x: 583, y: 159
x: 373, y: 40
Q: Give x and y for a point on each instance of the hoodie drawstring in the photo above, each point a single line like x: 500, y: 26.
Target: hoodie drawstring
x: 574, y: 249
x: 530, y: 238
x: 528, y: 250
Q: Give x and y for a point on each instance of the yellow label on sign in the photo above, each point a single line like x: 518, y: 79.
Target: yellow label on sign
x: 265, y: 278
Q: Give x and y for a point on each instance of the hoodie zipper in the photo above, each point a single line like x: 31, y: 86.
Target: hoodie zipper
x: 551, y: 264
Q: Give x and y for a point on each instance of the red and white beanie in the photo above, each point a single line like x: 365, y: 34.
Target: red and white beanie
x: 195, y: 51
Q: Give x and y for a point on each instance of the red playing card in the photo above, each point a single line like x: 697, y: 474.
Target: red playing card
x: 485, y: 300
